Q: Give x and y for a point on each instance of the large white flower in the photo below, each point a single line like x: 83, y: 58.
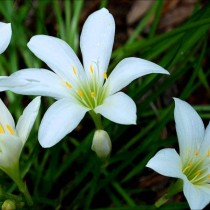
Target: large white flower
x: 5, y: 36
x: 13, y: 138
x: 193, y: 164
x: 81, y: 89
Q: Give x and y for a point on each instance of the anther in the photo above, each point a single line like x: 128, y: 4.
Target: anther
x: 74, y: 70
x: 91, y: 68
x: 209, y: 176
x: 68, y: 85
x: 1, y: 129
x: 80, y: 93
x: 105, y: 75
x: 208, y: 155
x: 92, y: 94
x: 198, y: 173
x: 196, y: 152
x: 10, y: 129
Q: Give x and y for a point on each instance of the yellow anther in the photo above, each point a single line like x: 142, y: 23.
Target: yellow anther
x: 92, y: 94
x: 198, y: 173
x: 74, y: 70
x: 10, y: 129
x: 208, y: 155
x: 80, y: 93
x: 91, y: 69
x: 1, y: 129
x: 105, y: 75
x: 196, y: 152
x: 209, y: 176
x: 68, y: 85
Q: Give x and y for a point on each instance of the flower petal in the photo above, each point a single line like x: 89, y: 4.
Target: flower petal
x: 5, y: 34
x: 7, y: 124
x: 58, y: 55
x: 195, y: 195
x: 130, y: 69
x: 118, y: 108
x: 189, y: 127
x: 205, y: 146
x: 27, y: 119
x: 7, y: 83
x: 10, y: 147
x: 39, y: 82
x: 59, y: 120
x: 96, y: 41
x: 167, y: 162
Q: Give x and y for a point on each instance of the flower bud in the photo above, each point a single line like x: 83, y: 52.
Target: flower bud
x: 101, y: 144
x: 8, y: 205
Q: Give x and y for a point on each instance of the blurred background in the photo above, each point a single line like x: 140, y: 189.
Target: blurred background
x: 69, y: 176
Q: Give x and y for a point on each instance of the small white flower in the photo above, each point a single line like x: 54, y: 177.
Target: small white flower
x: 101, y: 144
x: 193, y: 164
x: 5, y: 36
x: 81, y: 89
x: 12, y: 139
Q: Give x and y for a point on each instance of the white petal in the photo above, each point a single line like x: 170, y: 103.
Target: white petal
x: 5, y: 36
x: 167, y: 162
x: 97, y: 39
x: 10, y: 147
x: 205, y: 146
x: 57, y: 54
x: 130, y: 69
x: 59, y: 120
x: 6, y: 118
x: 26, y: 120
x: 6, y: 83
x: 39, y: 82
x: 189, y: 128
x: 118, y: 108
x: 195, y: 195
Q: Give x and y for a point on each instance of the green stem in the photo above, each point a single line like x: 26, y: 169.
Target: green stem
x: 23, y: 189
x: 14, y: 174
x: 97, y: 120
x: 173, y: 189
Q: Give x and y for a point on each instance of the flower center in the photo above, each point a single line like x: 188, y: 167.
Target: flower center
x: 89, y: 92
x: 196, y: 171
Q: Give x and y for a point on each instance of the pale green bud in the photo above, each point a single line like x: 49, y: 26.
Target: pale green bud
x: 101, y: 144
x: 8, y: 205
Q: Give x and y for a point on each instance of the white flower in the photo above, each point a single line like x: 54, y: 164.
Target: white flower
x: 5, y: 36
x: 193, y: 164
x: 101, y: 144
x: 12, y: 139
x: 81, y: 89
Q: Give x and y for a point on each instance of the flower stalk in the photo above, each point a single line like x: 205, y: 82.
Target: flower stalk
x: 173, y: 190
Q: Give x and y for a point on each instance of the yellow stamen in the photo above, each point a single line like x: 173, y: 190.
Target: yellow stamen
x: 80, y: 93
x: 198, y: 173
x: 188, y: 166
x: 92, y: 94
x: 74, y: 70
x: 10, y: 129
x: 208, y: 155
x: 105, y: 75
x: 68, y: 85
x: 196, y: 152
x: 91, y: 68
x: 209, y: 176
x: 1, y: 129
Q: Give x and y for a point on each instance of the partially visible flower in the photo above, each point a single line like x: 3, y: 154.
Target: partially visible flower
x: 8, y: 205
x: 193, y: 164
x: 101, y: 144
x: 13, y: 138
x: 81, y: 89
x: 5, y: 36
